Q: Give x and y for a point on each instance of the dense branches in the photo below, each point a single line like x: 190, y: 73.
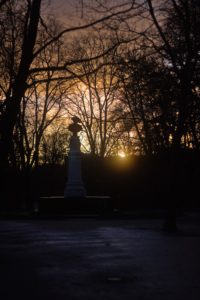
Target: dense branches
x: 20, y: 50
x: 138, y: 64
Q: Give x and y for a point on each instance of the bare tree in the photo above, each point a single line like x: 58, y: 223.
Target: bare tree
x: 20, y: 49
x: 177, y: 41
x: 148, y: 89
x: 17, y: 71
x: 95, y: 97
x: 168, y: 31
x: 54, y: 145
x: 41, y: 107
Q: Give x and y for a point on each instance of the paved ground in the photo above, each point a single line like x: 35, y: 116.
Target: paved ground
x: 99, y: 259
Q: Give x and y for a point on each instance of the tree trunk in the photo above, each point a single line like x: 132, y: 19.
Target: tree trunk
x: 9, y: 117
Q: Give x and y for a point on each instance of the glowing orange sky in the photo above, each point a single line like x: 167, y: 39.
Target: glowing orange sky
x: 65, y: 9
x: 69, y: 10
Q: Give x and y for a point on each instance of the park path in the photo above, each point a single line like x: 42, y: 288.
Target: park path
x: 98, y: 259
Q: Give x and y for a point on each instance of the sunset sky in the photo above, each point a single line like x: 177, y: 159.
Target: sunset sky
x: 65, y: 8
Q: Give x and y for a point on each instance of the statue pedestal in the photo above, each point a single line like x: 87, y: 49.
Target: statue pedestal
x: 74, y: 187
x: 91, y: 206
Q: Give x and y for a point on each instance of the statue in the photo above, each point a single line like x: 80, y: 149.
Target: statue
x: 74, y: 187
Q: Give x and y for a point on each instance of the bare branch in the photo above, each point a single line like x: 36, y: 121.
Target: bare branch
x: 86, y: 26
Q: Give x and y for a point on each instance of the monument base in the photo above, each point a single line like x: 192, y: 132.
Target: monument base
x: 75, y: 205
x: 75, y: 191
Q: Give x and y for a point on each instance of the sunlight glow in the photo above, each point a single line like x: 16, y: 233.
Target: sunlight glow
x: 121, y: 154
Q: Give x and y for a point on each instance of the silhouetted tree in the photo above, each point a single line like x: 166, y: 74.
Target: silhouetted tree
x: 168, y: 33
x: 20, y: 48
x: 18, y: 51
x: 54, y: 145
x: 94, y: 98
x: 177, y: 42
x: 42, y: 106
x: 148, y: 90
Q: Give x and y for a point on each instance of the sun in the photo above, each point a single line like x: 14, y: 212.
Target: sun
x: 121, y: 154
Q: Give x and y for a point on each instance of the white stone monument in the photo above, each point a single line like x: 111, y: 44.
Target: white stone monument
x: 74, y: 187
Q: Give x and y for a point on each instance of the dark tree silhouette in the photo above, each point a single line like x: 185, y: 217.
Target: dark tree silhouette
x: 177, y: 42
x: 11, y: 105
x: 148, y: 90
x: 21, y: 60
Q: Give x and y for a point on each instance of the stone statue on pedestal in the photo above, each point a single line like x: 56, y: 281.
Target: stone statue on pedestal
x: 74, y: 187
